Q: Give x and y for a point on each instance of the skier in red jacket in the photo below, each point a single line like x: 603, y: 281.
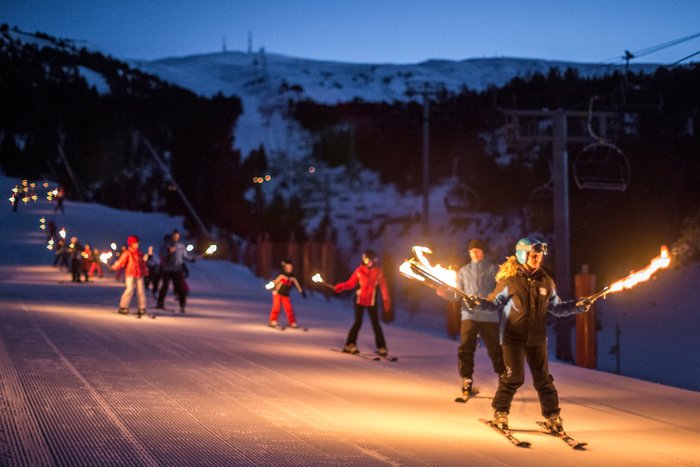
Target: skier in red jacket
x: 131, y: 260
x: 369, y: 276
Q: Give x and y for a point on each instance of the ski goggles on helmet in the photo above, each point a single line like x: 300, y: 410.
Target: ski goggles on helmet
x: 536, y: 247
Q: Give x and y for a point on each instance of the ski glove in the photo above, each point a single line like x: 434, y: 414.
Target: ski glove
x: 472, y: 301
x: 584, y: 305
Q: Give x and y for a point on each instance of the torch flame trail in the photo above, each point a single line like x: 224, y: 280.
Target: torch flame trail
x: 659, y: 262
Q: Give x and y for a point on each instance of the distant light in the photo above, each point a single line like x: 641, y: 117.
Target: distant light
x: 312, y: 169
x: 211, y: 250
x: 190, y: 247
x: 62, y: 232
x: 42, y: 220
x: 267, y: 178
x: 172, y: 188
x: 113, y: 246
x: 46, y: 184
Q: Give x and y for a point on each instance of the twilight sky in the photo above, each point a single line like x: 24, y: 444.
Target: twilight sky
x: 398, y: 31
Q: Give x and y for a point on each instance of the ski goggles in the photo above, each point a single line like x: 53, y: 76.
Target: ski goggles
x: 536, y: 247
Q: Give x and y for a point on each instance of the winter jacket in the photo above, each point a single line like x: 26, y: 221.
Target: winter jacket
x: 477, y: 279
x: 132, y: 262
x: 368, y: 279
x: 284, y: 283
x: 175, y: 260
x: 525, y: 301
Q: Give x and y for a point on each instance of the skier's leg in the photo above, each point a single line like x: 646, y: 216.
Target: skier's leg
x: 289, y: 310
x: 355, y: 329
x: 542, y: 380
x: 275, y: 311
x: 179, y: 284
x: 141, y: 293
x: 490, y: 335
x: 378, y: 334
x: 164, y: 288
x: 128, y: 293
x: 511, y: 379
x: 465, y: 352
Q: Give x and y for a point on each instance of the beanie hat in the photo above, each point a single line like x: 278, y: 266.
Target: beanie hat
x: 476, y: 243
x: 132, y: 239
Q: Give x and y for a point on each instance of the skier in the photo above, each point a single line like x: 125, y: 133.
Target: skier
x: 134, y: 271
x: 280, y: 294
x: 476, y: 278
x: 174, y: 255
x: 369, y: 276
x: 96, y: 266
x: 525, y: 293
x: 74, y: 253
x: 153, y: 264
x: 86, y: 261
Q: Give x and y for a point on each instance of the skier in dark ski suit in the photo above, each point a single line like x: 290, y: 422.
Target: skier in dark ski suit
x: 525, y: 293
x: 369, y: 276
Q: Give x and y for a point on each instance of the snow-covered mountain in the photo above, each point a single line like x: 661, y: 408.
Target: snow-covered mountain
x: 266, y: 82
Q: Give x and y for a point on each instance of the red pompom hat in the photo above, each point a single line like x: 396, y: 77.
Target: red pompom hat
x: 132, y: 239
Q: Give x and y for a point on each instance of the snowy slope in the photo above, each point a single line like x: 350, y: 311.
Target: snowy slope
x: 83, y: 385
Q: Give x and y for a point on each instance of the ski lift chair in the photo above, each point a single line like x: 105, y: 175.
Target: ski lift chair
x: 601, y: 166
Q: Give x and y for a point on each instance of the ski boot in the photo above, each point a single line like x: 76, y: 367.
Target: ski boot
x: 500, y: 419
x: 294, y: 325
x: 272, y: 324
x: 140, y: 312
x: 182, y: 309
x: 382, y: 352
x: 467, y: 388
x: 351, y: 348
x: 554, y: 423
x: 123, y: 311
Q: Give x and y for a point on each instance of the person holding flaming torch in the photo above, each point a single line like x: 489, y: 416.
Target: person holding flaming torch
x: 478, y: 277
x: 368, y: 276
x: 280, y: 288
x: 135, y: 270
x: 525, y: 294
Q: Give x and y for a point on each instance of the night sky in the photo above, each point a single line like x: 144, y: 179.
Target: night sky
x: 369, y: 30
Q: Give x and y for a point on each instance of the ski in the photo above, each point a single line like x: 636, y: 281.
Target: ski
x: 375, y: 358
x: 564, y: 437
x: 391, y: 358
x: 277, y: 327
x: 299, y: 329
x: 148, y: 315
x: 507, y: 434
x: 464, y: 398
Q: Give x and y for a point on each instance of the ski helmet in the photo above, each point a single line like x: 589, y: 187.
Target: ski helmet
x: 526, y: 245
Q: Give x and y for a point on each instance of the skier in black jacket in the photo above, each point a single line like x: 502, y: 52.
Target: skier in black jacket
x: 525, y: 293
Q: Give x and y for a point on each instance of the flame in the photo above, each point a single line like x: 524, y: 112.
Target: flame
x: 62, y: 232
x: 211, y: 250
x: 448, y: 276
x: 113, y: 246
x: 317, y: 278
x: 190, y: 247
x: 105, y: 256
x: 660, y: 262
x: 270, y: 285
x: 406, y: 270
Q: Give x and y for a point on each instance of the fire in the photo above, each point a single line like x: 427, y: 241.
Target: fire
x: 317, y: 278
x: 105, y: 256
x: 447, y: 276
x: 660, y: 262
x: 406, y: 270
x: 211, y: 250
x: 62, y: 232
x: 270, y: 285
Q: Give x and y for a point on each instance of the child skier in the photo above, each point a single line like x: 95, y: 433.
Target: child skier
x: 280, y: 294
x: 369, y: 276
x: 131, y: 260
x: 525, y: 294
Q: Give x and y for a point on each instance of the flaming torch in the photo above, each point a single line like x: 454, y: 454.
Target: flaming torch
x: 211, y: 250
x: 419, y: 269
x: 104, y: 257
x: 270, y: 285
x: 660, y: 262
x: 317, y: 279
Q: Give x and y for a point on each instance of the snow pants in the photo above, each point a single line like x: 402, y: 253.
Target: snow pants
x: 513, y: 377
x: 178, y: 285
x: 95, y: 267
x: 131, y: 283
x: 470, y: 331
x: 284, y: 301
x: 374, y: 318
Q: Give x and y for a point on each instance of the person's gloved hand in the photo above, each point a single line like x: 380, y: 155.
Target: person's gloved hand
x: 387, y: 306
x: 472, y: 301
x: 584, y: 304
x: 303, y: 294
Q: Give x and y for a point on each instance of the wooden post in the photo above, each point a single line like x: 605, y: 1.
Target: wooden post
x: 586, y: 322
